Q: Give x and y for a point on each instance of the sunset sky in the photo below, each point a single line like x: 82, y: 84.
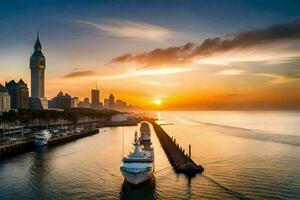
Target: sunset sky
x: 235, y: 54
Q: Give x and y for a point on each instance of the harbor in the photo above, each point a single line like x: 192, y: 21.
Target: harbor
x: 89, y: 168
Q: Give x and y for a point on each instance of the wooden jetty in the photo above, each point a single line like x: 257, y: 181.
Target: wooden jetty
x: 22, y: 146
x: 180, y: 161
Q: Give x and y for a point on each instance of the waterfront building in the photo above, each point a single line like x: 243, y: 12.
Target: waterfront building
x: 85, y: 103
x: 95, y: 96
x: 111, y: 101
x: 61, y: 101
x: 106, y: 103
x: 19, y: 94
x: 74, y: 102
x: 4, y: 99
x: 37, y: 67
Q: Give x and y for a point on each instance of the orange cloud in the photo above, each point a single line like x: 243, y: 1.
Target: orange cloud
x: 281, y: 78
x: 80, y: 74
x: 189, y: 52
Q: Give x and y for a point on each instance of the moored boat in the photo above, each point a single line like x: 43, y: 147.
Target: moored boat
x: 42, y: 137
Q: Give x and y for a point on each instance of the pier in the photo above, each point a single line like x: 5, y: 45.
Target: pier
x: 22, y: 146
x: 180, y: 161
x: 68, y: 138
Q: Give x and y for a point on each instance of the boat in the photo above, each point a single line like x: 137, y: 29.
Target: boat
x: 79, y: 130
x: 145, y: 139
x: 138, y: 166
x: 42, y: 137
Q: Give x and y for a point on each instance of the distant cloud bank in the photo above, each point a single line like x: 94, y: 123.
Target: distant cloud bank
x: 188, y: 53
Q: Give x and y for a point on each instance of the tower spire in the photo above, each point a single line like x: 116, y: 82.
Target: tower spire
x: 37, y: 45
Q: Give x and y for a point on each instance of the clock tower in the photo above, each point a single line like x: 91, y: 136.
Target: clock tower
x: 37, y: 67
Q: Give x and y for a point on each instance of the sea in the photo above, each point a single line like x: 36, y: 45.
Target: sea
x: 245, y: 155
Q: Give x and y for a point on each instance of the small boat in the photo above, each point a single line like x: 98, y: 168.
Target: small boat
x: 79, y: 130
x: 42, y: 137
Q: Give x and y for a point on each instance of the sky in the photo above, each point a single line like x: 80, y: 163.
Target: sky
x: 189, y: 55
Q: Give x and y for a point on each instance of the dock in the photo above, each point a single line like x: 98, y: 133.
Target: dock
x: 180, y: 161
x: 22, y: 146
x: 16, y: 147
x: 68, y: 138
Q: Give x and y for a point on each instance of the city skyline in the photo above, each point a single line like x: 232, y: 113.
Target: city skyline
x: 15, y: 95
x: 189, y: 61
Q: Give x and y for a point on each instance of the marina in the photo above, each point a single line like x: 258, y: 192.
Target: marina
x: 25, y: 145
x: 18, y: 143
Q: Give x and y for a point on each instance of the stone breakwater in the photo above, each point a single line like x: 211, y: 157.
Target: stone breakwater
x: 180, y: 161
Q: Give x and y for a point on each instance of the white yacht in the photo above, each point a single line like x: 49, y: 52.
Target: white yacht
x: 138, y: 167
x: 42, y: 137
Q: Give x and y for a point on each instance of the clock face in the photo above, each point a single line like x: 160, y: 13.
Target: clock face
x: 42, y: 63
x: 38, y: 64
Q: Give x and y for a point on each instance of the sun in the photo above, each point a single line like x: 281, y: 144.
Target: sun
x: 157, y: 101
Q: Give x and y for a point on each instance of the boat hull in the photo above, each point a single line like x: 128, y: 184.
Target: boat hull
x: 137, y: 178
x: 40, y: 143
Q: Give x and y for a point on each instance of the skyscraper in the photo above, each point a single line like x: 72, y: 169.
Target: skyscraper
x: 111, y: 101
x: 95, y: 95
x: 106, y: 103
x: 37, y: 67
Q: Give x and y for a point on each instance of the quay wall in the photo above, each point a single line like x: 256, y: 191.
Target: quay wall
x: 18, y: 147
x: 69, y: 138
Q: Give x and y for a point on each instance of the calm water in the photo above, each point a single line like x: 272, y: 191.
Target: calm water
x: 246, y: 155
